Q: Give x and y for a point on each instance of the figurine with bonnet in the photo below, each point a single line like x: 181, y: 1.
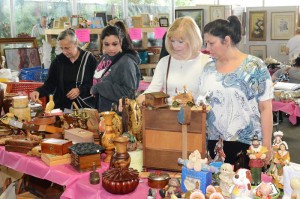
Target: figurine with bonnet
x: 277, y: 139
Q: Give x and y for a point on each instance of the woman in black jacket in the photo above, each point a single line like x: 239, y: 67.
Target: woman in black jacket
x: 70, y: 74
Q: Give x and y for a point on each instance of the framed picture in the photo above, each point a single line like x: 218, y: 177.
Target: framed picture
x: 216, y: 12
x: 257, y: 25
x: 282, y: 49
x: 103, y: 15
x: 163, y: 22
x: 97, y: 22
x: 282, y: 25
x: 258, y: 51
x: 109, y: 17
x: 196, y: 14
x: 18, y: 58
x: 74, y: 21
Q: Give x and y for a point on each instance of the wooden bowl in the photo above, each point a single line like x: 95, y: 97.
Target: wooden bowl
x: 120, y: 181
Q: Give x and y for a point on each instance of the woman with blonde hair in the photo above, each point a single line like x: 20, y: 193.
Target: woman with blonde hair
x: 184, y: 64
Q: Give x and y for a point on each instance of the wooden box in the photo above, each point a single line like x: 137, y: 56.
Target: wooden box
x: 78, y: 135
x: 52, y: 160
x: 156, y: 100
x: 85, y: 155
x: 162, y: 137
x: 85, y: 162
x: 20, y: 145
x: 56, y: 146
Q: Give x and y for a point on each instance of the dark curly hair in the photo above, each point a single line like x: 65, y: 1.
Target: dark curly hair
x: 297, y: 62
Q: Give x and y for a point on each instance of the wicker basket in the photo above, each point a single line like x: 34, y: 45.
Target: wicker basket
x: 24, y: 87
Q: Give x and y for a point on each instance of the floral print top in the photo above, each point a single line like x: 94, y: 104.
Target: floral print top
x: 234, y: 97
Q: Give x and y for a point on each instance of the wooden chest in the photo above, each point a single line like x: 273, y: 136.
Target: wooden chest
x: 56, y: 146
x: 85, y: 162
x: 20, y: 145
x: 85, y: 155
x: 162, y: 137
x: 78, y: 135
x: 52, y: 160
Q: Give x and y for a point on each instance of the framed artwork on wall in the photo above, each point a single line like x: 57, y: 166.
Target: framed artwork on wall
x: 74, y: 20
x: 258, y: 51
x: 257, y: 25
x: 18, y: 58
x: 196, y: 14
x: 163, y: 22
x: 103, y: 15
x: 216, y: 12
x: 282, y: 25
x: 282, y: 49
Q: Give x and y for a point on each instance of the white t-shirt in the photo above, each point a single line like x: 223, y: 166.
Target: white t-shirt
x: 294, y: 47
x: 181, y: 73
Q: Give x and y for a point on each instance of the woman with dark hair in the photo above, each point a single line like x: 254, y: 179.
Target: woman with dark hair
x: 70, y: 74
x: 117, y: 74
x: 240, y: 90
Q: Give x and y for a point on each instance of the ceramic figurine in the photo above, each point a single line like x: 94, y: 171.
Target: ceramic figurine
x: 242, y: 185
x: 281, y: 158
x: 197, y: 194
x: 264, y: 190
x: 212, y: 193
x: 219, y: 152
x: 257, y: 154
x: 226, y: 178
x: 295, y: 185
x: 173, y: 187
x: 277, y: 140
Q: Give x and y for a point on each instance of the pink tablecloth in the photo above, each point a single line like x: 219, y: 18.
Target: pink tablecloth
x: 288, y: 107
x: 143, y: 85
x: 77, y: 184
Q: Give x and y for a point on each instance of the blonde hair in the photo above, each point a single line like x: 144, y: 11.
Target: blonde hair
x: 186, y: 29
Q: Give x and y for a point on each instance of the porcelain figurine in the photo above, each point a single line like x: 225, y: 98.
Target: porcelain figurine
x: 264, y: 190
x: 212, y: 193
x: 219, y: 152
x: 295, y: 185
x: 257, y: 154
x: 281, y: 158
x: 277, y: 140
x: 226, y: 178
x: 242, y: 185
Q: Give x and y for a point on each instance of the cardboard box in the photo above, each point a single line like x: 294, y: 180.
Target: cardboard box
x: 56, y: 146
x: 52, y: 160
x: 195, y: 179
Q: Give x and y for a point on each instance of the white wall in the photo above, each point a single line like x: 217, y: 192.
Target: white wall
x: 273, y: 46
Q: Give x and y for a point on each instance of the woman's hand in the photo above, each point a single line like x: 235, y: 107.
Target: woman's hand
x: 141, y: 100
x: 73, y: 93
x: 34, y: 96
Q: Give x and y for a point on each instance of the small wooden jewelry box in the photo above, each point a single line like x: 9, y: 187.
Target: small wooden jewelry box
x: 84, y: 155
x: 56, y: 146
x: 78, y: 135
x: 20, y: 145
x: 52, y: 160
